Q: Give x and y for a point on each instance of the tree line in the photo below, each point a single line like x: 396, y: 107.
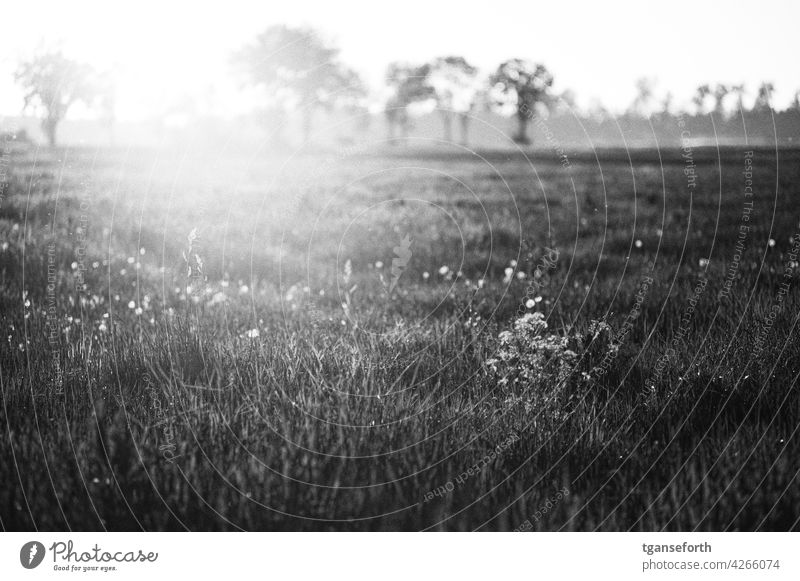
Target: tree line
x: 300, y: 72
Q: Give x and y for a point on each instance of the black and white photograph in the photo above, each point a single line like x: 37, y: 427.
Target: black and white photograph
x: 353, y: 267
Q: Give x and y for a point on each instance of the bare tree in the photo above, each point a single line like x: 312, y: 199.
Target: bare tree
x: 409, y: 84
x: 527, y: 84
x: 297, y: 67
x: 455, y: 85
x: 52, y: 84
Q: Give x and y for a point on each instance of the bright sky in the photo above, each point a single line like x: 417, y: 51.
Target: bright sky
x: 164, y: 51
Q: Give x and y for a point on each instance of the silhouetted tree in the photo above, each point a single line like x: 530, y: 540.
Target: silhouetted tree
x: 52, y: 83
x: 409, y: 84
x: 107, y: 97
x: 666, y: 105
x: 699, y: 98
x: 763, y: 97
x: 527, y: 84
x: 295, y: 65
x: 455, y: 85
x: 720, y: 92
x: 739, y: 91
x: 795, y: 104
x: 644, y: 95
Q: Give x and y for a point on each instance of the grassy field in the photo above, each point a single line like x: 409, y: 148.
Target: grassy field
x: 348, y: 341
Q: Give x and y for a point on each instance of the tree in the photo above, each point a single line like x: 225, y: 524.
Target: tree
x: 526, y: 84
x: 456, y: 88
x: 298, y: 70
x: 666, y: 105
x: 739, y: 91
x: 52, y: 84
x: 644, y: 95
x: 699, y: 98
x: 720, y: 92
x: 408, y: 84
x: 763, y: 97
x: 795, y: 104
x: 107, y: 102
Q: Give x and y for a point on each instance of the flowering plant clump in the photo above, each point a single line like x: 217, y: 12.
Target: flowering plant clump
x: 528, y: 356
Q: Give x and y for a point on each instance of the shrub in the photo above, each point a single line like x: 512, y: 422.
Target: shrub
x: 528, y: 357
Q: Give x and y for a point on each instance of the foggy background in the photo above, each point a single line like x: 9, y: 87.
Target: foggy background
x: 172, y: 76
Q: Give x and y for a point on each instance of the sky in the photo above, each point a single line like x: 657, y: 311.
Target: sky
x: 165, y: 52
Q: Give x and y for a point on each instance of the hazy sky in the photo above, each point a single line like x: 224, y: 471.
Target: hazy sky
x: 165, y: 50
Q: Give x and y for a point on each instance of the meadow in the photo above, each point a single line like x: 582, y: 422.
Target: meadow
x: 400, y: 338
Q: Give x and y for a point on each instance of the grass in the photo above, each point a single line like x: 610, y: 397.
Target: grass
x: 262, y: 377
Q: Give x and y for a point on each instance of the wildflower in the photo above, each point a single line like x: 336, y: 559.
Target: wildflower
x: 638, y: 244
x: 348, y: 270
x: 444, y: 270
x: 218, y: 297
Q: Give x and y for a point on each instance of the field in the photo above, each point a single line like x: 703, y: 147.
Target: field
x: 336, y: 340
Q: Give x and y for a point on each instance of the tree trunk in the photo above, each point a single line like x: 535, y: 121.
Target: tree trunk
x: 49, y: 126
x: 464, y: 118
x: 522, y: 129
x: 447, y: 124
